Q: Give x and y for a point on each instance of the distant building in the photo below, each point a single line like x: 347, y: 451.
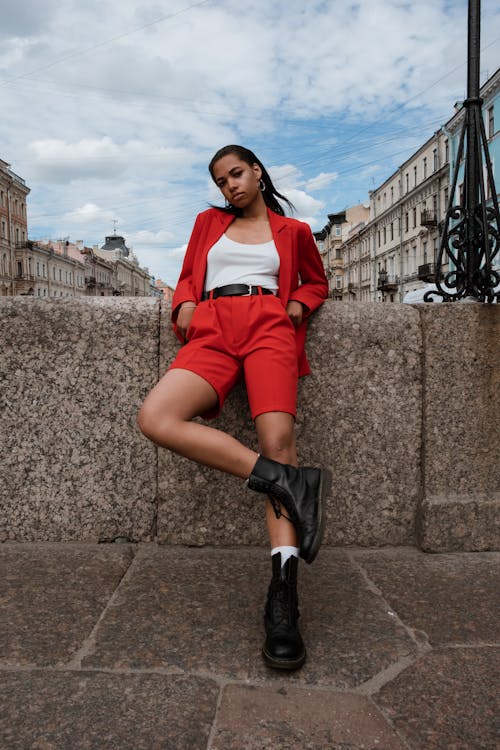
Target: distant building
x: 13, y: 228
x: 395, y: 250
x: 130, y: 280
x: 166, y: 291
x: 330, y: 240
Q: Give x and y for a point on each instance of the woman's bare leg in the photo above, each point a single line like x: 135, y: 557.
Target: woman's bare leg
x: 165, y: 418
x: 276, y: 433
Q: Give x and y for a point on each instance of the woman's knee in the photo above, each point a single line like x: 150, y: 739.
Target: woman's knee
x: 154, y: 422
x: 280, y: 445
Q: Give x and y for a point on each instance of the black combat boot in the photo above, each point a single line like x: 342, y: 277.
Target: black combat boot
x: 283, y: 647
x: 301, y: 492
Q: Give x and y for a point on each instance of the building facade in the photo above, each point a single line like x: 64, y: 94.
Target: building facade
x: 395, y: 250
x: 13, y: 225
x: 330, y: 241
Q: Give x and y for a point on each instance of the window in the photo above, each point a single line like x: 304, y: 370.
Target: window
x: 60, y: 275
x: 338, y: 230
x: 435, y: 204
x: 425, y: 167
x: 385, y: 235
x: 392, y: 195
x: 378, y: 237
x: 392, y: 230
x: 38, y: 269
x: 414, y: 217
x: 338, y: 282
x: 338, y: 254
x: 491, y: 122
x: 446, y: 197
x: 435, y: 158
x: 19, y: 268
x: 415, y: 176
x: 4, y: 229
x: 446, y: 151
x: 407, y: 178
x: 424, y: 248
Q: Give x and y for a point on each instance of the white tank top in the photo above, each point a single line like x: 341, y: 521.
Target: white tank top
x: 230, y: 262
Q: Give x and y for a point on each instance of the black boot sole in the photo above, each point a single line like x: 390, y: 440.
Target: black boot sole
x: 325, y: 483
x: 285, y: 664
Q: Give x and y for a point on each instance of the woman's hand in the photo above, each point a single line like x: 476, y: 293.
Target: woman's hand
x: 295, y: 311
x: 184, y: 317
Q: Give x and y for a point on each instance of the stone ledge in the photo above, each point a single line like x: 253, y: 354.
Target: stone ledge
x: 464, y: 523
x: 403, y: 404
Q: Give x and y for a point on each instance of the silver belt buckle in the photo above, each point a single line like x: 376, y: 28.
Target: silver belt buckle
x: 249, y: 293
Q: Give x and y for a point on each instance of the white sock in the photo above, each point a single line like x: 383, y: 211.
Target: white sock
x: 286, y: 552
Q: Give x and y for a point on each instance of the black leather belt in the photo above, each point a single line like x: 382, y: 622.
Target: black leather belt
x: 235, y: 290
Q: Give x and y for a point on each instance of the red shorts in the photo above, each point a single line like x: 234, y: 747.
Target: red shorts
x: 253, y: 336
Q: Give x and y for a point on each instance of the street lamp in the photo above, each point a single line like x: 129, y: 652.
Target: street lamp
x: 471, y: 231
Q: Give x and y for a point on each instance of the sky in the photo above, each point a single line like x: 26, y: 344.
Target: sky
x: 112, y: 109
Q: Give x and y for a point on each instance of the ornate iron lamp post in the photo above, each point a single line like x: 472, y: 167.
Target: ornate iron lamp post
x: 471, y: 232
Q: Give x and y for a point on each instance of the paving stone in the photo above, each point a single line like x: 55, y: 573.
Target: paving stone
x: 94, y: 711
x: 448, y: 699
x: 51, y: 597
x: 251, y: 718
x: 203, y: 610
x: 453, y: 598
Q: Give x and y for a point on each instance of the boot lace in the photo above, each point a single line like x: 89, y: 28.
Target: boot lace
x: 281, y: 610
x: 277, y: 508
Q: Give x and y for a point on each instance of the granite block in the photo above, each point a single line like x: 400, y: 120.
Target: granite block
x: 460, y: 523
x: 359, y: 413
x: 52, y: 595
x: 453, y: 599
x: 95, y: 711
x: 251, y: 718
x: 74, y: 372
x: 448, y: 699
x: 461, y: 413
x: 202, y: 610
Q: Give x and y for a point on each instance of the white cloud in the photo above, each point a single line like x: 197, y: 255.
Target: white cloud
x: 89, y: 213
x: 146, y: 238
x: 108, y: 120
x: 322, y: 180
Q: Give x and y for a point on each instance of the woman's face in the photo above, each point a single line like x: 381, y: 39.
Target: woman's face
x: 237, y: 180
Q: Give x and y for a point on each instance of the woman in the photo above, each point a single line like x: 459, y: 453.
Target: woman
x: 239, y: 309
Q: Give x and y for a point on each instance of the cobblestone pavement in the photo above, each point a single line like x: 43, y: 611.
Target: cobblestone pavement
x: 143, y: 646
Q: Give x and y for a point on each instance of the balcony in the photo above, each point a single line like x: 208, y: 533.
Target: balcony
x: 428, y: 218
x: 427, y: 272
x: 386, y: 283
x: 90, y: 280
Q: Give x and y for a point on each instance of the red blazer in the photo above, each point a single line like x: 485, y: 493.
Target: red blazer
x: 301, y: 275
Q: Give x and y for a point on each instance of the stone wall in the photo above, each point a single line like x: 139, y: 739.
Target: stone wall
x: 403, y: 405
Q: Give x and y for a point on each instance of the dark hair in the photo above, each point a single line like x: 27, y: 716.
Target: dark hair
x: 270, y: 194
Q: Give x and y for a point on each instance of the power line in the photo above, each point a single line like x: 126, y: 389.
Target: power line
x: 112, y: 39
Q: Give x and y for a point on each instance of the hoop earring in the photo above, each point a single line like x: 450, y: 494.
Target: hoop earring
x: 262, y: 185
x: 226, y: 203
